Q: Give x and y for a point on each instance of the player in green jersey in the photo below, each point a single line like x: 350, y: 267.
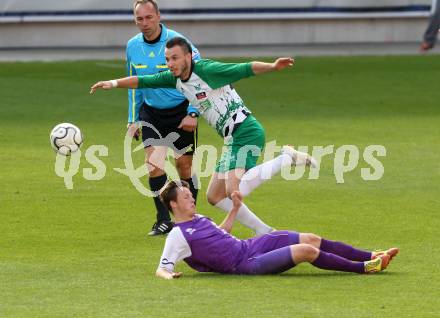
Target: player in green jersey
x: 206, y: 85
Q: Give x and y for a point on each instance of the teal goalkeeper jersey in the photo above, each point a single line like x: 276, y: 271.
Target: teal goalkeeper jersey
x: 147, y: 59
x: 208, y: 89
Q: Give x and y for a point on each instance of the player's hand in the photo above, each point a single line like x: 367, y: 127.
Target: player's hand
x: 188, y: 123
x: 102, y: 85
x: 173, y: 275
x: 176, y: 275
x: 283, y: 62
x: 237, y: 199
x: 163, y: 273
x: 134, y: 131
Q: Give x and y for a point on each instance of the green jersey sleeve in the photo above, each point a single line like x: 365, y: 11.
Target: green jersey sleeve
x: 217, y: 74
x: 159, y: 80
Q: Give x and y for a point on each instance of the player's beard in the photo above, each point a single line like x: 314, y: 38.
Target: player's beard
x: 185, y: 71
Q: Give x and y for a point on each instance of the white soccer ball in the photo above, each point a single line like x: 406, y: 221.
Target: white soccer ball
x: 66, y: 138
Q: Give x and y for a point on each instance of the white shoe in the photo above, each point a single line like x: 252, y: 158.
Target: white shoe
x: 299, y: 158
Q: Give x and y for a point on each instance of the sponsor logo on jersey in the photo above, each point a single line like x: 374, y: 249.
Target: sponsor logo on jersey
x: 201, y: 95
x: 204, y: 105
x: 137, y: 66
x: 151, y: 54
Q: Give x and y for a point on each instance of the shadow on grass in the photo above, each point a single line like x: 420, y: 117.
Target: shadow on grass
x: 324, y: 275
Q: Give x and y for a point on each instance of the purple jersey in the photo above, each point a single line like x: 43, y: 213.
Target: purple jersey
x: 207, y: 248
x: 203, y: 246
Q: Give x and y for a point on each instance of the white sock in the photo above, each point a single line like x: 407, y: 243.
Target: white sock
x: 245, y: 217
x: 254, y: 177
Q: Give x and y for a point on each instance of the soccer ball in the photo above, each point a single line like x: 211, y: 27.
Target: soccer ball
x: 66, y: 138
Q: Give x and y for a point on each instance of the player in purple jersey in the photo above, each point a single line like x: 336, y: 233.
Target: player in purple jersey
x: 207, y: 247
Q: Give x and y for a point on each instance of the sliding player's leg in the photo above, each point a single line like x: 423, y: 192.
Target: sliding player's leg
x: 284, y: 258
x: 328, y: 261
x: 343, y: 249
x: 335, y: 247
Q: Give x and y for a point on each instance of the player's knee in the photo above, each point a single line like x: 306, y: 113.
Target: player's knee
x: 228, y: 192
x: 232, y: 184
x: 231, y: 189
x: 311, y: 239
x: 212, y: 198
x: 311, y: 253
x: 184, y: 169
x: 304, y: 253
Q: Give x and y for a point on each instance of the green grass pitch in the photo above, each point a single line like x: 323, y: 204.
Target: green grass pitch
x: 84, y: 252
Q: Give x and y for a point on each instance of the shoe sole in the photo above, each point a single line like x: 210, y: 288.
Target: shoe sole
x: 157, y: 233
x: 385, y: 262
x: 391, y: 253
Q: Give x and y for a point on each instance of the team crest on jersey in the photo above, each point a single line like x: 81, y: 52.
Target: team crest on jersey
x: 201, y: 95
x: 198, y: 87
x: 195, y: 52
x: 152, y: 54
x: 190, y: 231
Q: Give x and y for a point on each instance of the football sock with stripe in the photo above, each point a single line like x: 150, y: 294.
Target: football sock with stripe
x: 156, y: 183
x: 254, y: 177
x: 344, y: 250
x: 245, y: 217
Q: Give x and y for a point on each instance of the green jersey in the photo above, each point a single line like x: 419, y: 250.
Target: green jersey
x: 208, y: 89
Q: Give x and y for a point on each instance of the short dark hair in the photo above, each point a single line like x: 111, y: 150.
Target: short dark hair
x: 142, y: 2
x: 169, y: 192
x: 179, y: 41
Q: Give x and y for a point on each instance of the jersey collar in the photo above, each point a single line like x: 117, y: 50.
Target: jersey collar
x: 163, y: 37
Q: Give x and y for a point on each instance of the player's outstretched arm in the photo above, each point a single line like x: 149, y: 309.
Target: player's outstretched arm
x: 163, y: 273
x: 127, y: 82
x: 228, y: 222
x: 278, y: 65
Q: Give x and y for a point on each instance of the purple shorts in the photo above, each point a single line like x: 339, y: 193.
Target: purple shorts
x: 268, y: 254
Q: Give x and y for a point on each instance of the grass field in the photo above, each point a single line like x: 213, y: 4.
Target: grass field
x: 84, y: 252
